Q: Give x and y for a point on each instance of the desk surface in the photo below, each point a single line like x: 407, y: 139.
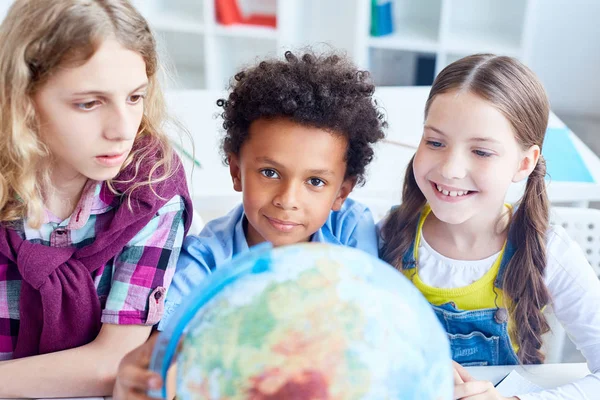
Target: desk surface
x: 547, y: 376
x: 198, y: 112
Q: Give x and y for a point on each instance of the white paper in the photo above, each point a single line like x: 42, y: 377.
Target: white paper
x: 515, y: 384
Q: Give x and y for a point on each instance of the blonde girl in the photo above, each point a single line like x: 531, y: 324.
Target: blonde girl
x: 93, y: 202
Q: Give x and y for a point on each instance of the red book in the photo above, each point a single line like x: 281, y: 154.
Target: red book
x: 228, y: 13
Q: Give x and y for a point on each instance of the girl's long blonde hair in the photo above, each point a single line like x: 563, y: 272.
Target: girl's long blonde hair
x: 39, y: 36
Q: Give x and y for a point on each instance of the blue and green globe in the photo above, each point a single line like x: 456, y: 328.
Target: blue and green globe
x: 312, y: 322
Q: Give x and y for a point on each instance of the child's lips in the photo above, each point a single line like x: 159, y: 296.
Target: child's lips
x: 282, y: 225
x: 111, y: 160
x: 440, y: 187
x: 451, y: 196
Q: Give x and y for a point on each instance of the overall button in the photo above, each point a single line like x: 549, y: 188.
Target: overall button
x: 501, y: 315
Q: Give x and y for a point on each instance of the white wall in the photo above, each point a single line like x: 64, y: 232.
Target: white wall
x: 566, y: 54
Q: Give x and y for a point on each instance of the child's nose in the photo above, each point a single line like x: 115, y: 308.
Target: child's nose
x: 288, y: 197
x: 454, y: 167
x: 122, y: 124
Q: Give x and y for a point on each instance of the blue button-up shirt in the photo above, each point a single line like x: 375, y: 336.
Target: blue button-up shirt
x: 224, y: 237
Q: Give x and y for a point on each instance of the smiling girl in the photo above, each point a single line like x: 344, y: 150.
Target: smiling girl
x: 488, y: 268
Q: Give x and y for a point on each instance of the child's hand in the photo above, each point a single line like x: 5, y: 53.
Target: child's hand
x: 487, y: 394
x: 461, y: 375
x: 133, y: 377
x: 468, y: 388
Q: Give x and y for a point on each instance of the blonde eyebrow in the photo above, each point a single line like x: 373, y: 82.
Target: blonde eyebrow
x: 102, y: 93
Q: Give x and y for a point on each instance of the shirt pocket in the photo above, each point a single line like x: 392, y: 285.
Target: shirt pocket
x: 156, y: 305
x: 474, y: 349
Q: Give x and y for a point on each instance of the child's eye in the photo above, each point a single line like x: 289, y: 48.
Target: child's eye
x: 90, y: 105
x: 136, y: 98
x: 433, y: 143
x: 269, y: 173
x: 481, y: 153
x: 316, y: 182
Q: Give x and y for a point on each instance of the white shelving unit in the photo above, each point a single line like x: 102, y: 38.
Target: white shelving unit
x: 416, y: 27
x: 444, y: 29
x: 202, y: 54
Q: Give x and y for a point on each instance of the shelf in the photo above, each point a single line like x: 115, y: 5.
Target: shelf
x: 401, y: 68
x: 449, y: 58
x: 183, y: 56
x: 174, y: 22
x: 492, y: 26
x: 188, y: 77
x: 174, y: 16
x: 240, y: 52
x: 429, y: 33
x: 415, y: 26
x: 246, y: 31
x: 471, y: 41
x: 408, y: 35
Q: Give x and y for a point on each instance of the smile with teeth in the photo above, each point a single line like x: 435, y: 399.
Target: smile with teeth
x: 452, y: 193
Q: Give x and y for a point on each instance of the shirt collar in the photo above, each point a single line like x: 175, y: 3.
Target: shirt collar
x: 323, y: 235
x: 90, y: 203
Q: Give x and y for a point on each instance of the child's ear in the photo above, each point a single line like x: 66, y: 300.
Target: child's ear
x: 235, y: 171
x: 528, y: 162
x: 343, y: 193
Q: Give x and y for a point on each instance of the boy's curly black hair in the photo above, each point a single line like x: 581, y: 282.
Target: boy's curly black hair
x: 325, y: 91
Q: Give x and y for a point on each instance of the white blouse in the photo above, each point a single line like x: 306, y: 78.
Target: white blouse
x: 439, y: 271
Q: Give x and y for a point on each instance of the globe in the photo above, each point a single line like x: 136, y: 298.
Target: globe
x: 312, y: 322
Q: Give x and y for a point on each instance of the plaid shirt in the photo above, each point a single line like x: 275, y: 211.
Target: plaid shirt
x: 131, y: 286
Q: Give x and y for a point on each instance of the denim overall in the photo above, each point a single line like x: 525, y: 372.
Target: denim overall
x: 477, y: 337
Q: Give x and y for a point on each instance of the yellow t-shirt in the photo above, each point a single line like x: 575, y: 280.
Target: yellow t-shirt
x: 481, y: 294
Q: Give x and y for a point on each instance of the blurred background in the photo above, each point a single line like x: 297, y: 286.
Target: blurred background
x: 402, y: 42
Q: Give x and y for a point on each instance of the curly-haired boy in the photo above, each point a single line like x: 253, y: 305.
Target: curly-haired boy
x: 299, y: 135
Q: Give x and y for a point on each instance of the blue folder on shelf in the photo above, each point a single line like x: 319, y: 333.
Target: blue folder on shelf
x: 563, y: 161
